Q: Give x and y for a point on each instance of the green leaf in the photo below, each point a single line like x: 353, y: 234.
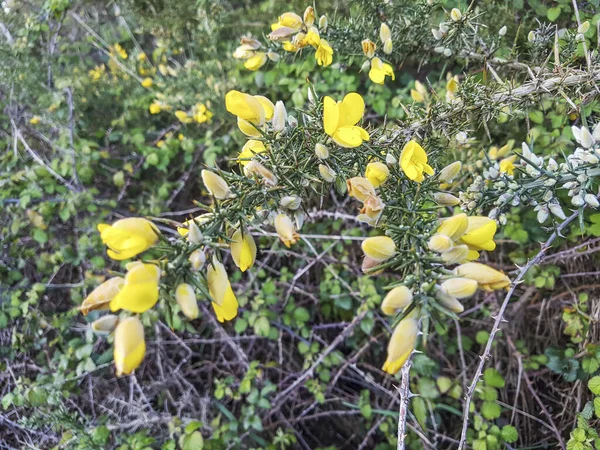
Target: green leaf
x: 590, y: 364
x: 481, y: 337
x: 301, y: 315
x: 193, y: 426
x: 420, y: 410
x: 193, y: 441
x: 444, y: 384
x: 7, y: 400
x: 40, y: 236
x: 553, y: 13
x: 240, y: 325
x: 490, y: 410
x: 493, y: 378
x: 594, y: 385
x: 509, y: 434
x: 479, y: 444
x: 536, y: 116
x: 597, y: 407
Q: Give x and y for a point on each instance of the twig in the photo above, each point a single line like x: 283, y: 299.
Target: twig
x: 404, y: 391
x: 499, y: 318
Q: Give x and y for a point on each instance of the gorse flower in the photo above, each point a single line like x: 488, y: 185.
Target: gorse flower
x: 413, y: 161
x: 380, y: 70
x: 224, y: 301
x: 360, y: 188
x: 324, y: 53
x: 186, y: 299
x: 215, y: 184
x: 256, y: 61
x: 127, y: 238
x: 396, y: 300
x: 251, y: 148
x: 379, y: 248
x: 101, y: 297
x: 340, y: 119
x: 243, y: 249
x: 286, y: 230
x: 130, y: 346
x: 401, y: 345
x: 252, y: 111
x: 377, y: 173
x: 487, y: 278
x: 139, y: 293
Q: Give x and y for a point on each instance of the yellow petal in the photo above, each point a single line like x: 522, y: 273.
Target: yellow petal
x: 352, y: 109
x: 243, y: 249
x: 129, y: 346
x: 331, y: 115
x: 100, y: 297
x: 267, y: 105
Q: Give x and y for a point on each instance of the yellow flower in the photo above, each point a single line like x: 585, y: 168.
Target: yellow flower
x: 186, y: 299
x: 201, y: 113
x: 450, y: 302
x: 256, y: 62
x: 147, y: 82
x: 396, y: 300
x: 457, y: 254
x: 413, y: 161
x: 129, y: 346
x: 487, y: 278
x: 451, y: 88
x: 100, y: 297
x: 417, y: 96
x: 286, y: 230
x: 309, y: 16
x: 379, y: 248
x: 288, y: 20
x: 224, y: 301
x: 360, y: 188
x: 459, y: 287
x: 155, y: 108
x: 245, y: 106
x: 380, y: 70
x: 120, y: 51
x: 440, y: 243
x: 255, y: 168
x: 454, y: 227
x: 371, y: 211
x: 384, y: 33
x: 312, y: 38
x: 243, y: 249
x: 377, y: 173
x: 249, y: 129
x: 34, y: 120
x: 197, y: 259
x: 507, y: 165
x: 324, y: 53
x: 183, y: 116
x: 140, y: 291
x: 479, y: 234
x: 215, y: 185
x: 401, y: 345
x: 128, y: 237
x: 249, y: 150
x: 368, y: 47
x: 340, y: 119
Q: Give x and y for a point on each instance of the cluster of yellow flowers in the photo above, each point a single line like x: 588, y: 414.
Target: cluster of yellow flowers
x: 378, y: 69
x: 293, y: 33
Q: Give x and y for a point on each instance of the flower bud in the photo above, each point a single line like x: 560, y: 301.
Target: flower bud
x: 542, y: 215
x: 327, y: 173
x: 448, y: 173
x: 531, y: 36
x: 323, y: 23
x: 437, y: 34
x: 379, y: 248
x: 256, y: 168
x: 216, y: 186
x: 388, y: 47
x: 459, y: 287
x: 377, y: 173
x: 321, y: 151
x: 502, y: 31
x: 290, y: 202
x: 285, y: 229
x: 487, y: 278
x: 455, y: 14
x: 384, y: 33
x: 309, y: 16
x: 443, y: 199
x: 390, y: 159
x: 396, y: 300
x: 368, y: 47
x: 197, y: 259
x: 105, y: 324
x: 243, y: 249
x: 591, y: 200
x: 186, y: 299
x: 584, y: 27
x: 401, y: 345
x: 292, y: 121
x: 360, y: 188
x: 273, y: 56
x: 451, y: 303
x: 101, y: 297
x: 440, y: 243
x: 129, y: 345
x: 447, y: 52
x: 456, y: 255
x: 444, y: 27
x: 194, y: 235
x: 557, y: 210
x: 279, y: 116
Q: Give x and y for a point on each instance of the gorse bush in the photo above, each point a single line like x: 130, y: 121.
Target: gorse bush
x: 256, y: 225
